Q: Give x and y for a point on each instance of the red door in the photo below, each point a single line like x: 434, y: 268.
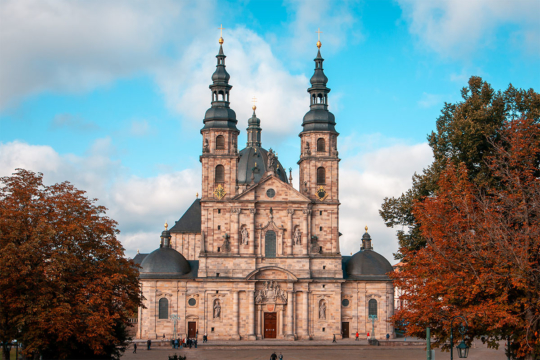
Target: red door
x: 270, y: 325
x: 192, y: 329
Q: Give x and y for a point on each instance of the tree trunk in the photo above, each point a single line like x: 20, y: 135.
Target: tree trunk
x: 5, y: 352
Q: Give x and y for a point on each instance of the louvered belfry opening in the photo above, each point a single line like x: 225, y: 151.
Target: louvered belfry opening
x: 321, y: 176
x: 220, y: 142
x: 220, y: 174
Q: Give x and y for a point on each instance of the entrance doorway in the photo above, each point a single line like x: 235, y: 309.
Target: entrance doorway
x: 345, y: 329
x: 192, y: 329
x: 270, y: 325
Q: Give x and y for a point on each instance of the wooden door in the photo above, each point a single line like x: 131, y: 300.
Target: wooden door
x: 192, y: 329
x: 270, y: 325
x: 345, y: 329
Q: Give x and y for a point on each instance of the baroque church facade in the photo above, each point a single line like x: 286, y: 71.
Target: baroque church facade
x: 254, y: 258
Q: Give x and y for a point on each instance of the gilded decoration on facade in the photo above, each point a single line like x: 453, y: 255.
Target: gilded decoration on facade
x: 220, y: 192
x: 321, y: 193
x: 271, y: 293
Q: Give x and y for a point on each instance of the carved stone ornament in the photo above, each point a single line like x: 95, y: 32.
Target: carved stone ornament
x: 219, y: 192
x: 206, y: 148
x: 244, y: 235
x: 271, y: 293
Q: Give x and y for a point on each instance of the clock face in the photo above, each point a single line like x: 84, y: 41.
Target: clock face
x: 219, y: 192
x: 321, y: 193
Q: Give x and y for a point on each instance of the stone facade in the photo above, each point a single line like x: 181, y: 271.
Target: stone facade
x: 265, y: 257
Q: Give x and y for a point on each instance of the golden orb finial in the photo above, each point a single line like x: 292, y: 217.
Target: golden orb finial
x: 166, y: 226
x: 319, y: 44
x: 221, y: 34
x: 319, y: 32
x: 366, y: 228
x: 197, y: 195
x: 254, y: 107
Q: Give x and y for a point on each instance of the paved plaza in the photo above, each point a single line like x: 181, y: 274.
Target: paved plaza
x: 308, y: 350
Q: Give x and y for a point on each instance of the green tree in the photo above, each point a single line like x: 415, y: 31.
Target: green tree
x: 67, y: 289
x: 465, y: 134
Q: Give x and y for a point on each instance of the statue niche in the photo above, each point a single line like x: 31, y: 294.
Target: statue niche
x: 244, y: 235
x: 271, y: 293
x: 297, y: 235
x: 322, y: 310
x: 217, y: 309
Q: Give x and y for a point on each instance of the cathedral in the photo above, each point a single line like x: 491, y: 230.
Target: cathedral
x: 254, y: 258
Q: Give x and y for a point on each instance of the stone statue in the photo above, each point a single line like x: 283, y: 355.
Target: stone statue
x: 308, y: 150
x: 322, y: 310
x: 226, y: 243
x: 271, y: 160
x: 258, y: 297
x: 245, y: 235
x: 206, y: 147
x: 297, y: 236
x: 217, y: 309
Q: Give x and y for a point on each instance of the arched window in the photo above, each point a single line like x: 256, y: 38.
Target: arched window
x: 319, y: 99
x: 372, y: 307
x: 321, y: 176
x: 221, y: 96
x: 220, y: 174
x: 270, y: 244
x: 163, y: 308
x: 321, y: 145
x: 220, y: 142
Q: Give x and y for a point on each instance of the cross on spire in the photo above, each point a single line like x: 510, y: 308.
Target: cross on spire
x: 319, y: 32
x: 254, y: 100
x: 221, y: 34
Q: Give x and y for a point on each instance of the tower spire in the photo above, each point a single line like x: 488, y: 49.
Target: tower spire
x: 254, y: 128
x: 220, y: 115
x: 318, y: 118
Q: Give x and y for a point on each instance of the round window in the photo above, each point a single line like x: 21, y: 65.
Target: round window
x: 192, y: 302
x: 345, y: 302
x: 270, y: 193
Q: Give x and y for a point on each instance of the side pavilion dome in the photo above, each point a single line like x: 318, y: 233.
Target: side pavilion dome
x: 164, y: 262
x: 368, y: 264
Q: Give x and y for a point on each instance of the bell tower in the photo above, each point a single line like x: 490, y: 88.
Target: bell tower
x: 319, y: 163
x: 220, y: 138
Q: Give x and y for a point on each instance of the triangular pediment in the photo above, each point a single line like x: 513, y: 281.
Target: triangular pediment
x: 262, y: 191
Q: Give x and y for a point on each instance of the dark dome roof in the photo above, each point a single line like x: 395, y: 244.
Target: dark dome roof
x: 165, y: 260
x: 319, y: 120
x: 246, y: 163
x: 368, y: 262
x: 220, y: 75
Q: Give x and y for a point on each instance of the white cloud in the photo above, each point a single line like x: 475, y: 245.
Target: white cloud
x: 457, y: 28
x: 140, y: 128
x: 430, y: 100
x: 73, y: 122
x: 72, y: 46
x: 140, y: 205
x: 255, y: 71
x: 365, y: 180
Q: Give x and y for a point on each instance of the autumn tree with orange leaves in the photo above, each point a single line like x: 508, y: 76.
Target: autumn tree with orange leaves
x: 66, y: 288
x: 482, y: 253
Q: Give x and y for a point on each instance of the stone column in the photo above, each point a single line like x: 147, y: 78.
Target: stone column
x: 305, y: 314
x: 290, y: 315
x: 252, y: 235
x: 238, y: 235
x: 235, y: 334
x: 291, y: 232
x: 251, y: 315
x: 309, y: 230
x: 305, y: 233
x: 259, y: 322
x: 280, y: 327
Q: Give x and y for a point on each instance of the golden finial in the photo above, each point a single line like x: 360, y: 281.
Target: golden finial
x: 166, y: 226
x: 319, y: 32
x: 138, y: 251
x: 197, y: 195
x: 221, y: 34
x: 366, y: 228
x: 254, y: 100
x: 255, y: 164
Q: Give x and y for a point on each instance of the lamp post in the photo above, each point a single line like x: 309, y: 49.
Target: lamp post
x: 174, y: 318
x: 372, y: 317
x: 462, y: 348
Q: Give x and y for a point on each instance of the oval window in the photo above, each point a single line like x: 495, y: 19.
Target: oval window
x: 192, y: 302
x: 270, y: 193
x: 345, y: 302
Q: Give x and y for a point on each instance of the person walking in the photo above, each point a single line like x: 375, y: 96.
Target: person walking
x: 148, y: 344
x: 368, y: 335
x: 190, y: 342
x: 357, y: 336
x: 387, y: 337
x: 195, y: 341
x: 273, y: 356
x: 280, y: 356
x: 205, y: 338
x: 134, y: 348
x: 334, y: 341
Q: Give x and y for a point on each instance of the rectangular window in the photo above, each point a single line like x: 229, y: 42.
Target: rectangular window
x: 323, y: 329
x: 324, y: 267
x: 320, y: 228
x: 320, y: 212
x: 323, y: 286
x: 217, y: 274
x: 212, y: 329
x: 219, y: 211
x: 218, y: 249
x: 219, y: 227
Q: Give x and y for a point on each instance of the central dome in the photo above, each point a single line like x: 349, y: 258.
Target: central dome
x: 246, y: 165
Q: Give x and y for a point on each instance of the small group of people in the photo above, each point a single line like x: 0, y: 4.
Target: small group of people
x: 275, y: 357
x: 184, y: 343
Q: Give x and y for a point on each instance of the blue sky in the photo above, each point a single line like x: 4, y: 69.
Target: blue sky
x: 111, y: 95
